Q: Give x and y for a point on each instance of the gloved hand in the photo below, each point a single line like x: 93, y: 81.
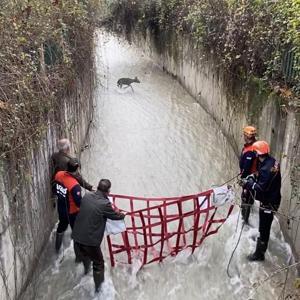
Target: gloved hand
x: 242, y: 182
x: 249, y: 183
x: 251, y: 177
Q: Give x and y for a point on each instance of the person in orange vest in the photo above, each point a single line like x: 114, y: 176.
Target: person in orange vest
x: 68, y: 192
x: 266, y: 185
x: 248, y: 165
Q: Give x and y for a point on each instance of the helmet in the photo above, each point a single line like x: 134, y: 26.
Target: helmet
x: 261, y: 147
x: 249, y: 131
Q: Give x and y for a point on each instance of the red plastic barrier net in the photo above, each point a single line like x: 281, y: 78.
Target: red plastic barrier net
x: 157, y: 227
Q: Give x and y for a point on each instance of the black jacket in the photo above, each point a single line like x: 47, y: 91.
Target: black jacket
x: 59, y: 162
x: 90, y: 222
x: 268, y: 183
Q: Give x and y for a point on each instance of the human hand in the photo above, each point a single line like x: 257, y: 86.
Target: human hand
x: 242, y: 182
x: 248, y: 183
x: 122, y: 215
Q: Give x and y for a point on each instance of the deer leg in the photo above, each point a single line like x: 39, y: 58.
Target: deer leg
x: 131, y: 87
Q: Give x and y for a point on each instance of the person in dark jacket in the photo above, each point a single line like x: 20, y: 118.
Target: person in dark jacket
x: 90, y: 226
x: 68, y: 192
x: 266, y: 186
x: 60, y: 159
x: 248, y: 166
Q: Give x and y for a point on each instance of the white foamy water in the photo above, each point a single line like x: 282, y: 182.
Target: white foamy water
x: 158, y: 141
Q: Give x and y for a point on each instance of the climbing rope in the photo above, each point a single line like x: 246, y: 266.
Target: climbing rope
x: 232, y: 254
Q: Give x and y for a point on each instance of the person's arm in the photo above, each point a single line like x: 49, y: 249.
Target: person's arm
x: 82, y: 182
x: 261, y: 184
x: 263, y: 181
x: 52, y: 167
x: 53, y: 187
x: 76, y: 193
x: 109, y: 213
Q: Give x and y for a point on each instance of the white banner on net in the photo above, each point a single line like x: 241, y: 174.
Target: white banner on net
x: 222, y: 195
x: 114, y: 226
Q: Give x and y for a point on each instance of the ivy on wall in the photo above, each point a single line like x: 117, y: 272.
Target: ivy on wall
x: 44, y: 46
x: 258, y: 38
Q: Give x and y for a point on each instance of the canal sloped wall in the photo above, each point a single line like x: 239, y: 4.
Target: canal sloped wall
x: 234, y: 105
x: 27, y: 213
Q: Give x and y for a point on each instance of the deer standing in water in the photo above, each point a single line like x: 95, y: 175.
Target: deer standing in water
x: 127, y: 81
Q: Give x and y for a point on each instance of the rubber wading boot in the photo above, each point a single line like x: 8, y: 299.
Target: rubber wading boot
x: 58, y: 241
x: 78, y: 258
x: 98, y: 279
x: 259, y: 254
x: 246, y: 212
x: 87, y: 265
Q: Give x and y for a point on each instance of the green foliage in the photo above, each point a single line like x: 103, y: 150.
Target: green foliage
x: 258, y: 38
x: 30, y: 88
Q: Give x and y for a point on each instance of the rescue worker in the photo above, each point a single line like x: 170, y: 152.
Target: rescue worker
x: 89, y: 229
x: 248, y: 165
x: 68, y: 193
x: 59, y: 162
x: 266, y: 185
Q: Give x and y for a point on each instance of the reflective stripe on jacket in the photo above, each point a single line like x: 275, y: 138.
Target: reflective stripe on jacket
x: 68, y: 190
x: 248, y: 161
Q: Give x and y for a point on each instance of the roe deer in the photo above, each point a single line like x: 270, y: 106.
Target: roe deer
x: 127, y: 81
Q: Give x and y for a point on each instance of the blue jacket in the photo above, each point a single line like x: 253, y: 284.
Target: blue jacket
x: 268, y: 183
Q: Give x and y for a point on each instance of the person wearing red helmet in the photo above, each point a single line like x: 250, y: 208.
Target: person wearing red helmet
x: 248, y: 166
x: 266, y: 186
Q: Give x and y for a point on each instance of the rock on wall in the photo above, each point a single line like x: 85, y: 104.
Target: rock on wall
x: 27, y: 215
x: 233, y: 108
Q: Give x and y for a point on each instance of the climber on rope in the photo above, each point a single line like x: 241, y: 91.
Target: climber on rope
x: 59, y: 162
x: 89, y: 229
x: 265, y: 185
x: 248, y: 166
x: 68, y: 192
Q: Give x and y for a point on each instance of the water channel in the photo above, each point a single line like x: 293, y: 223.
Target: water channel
x: 156, y: 140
